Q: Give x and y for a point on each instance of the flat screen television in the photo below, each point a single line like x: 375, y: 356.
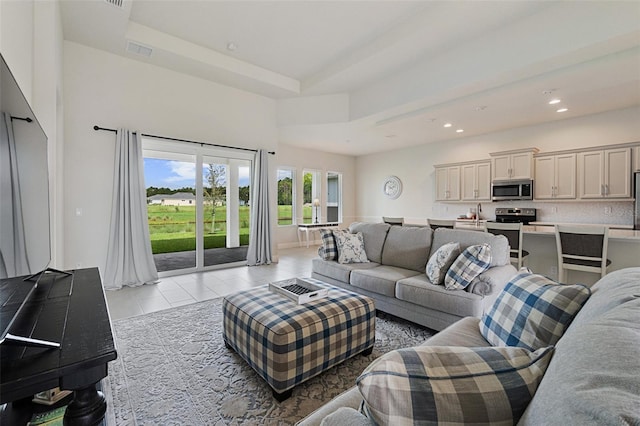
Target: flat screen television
x: 25, y: 238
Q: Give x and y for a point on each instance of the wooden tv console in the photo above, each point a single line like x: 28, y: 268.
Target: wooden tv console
x: 71, y: 310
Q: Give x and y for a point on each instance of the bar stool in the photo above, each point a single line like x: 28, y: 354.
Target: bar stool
x: 513, y: 232
x: 393, y: 220
x: 441, y: 223
x: 582, y: 248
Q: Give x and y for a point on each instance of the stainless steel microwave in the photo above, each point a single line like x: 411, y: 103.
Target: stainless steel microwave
x: 512, y: 190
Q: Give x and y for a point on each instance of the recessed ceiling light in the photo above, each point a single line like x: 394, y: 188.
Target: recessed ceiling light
x: 481, y: 108
x: 554, y: 101
x: 232, y: 46
x: 548, y: 91
x: 459, y: 131
x: 448, y: 125
x: 562, y: 110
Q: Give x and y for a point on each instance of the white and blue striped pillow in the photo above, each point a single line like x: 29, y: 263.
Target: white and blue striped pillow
x: 473, y: 261
x: 532, y: 312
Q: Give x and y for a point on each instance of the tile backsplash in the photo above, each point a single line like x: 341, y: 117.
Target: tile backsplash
x: 611, y: 213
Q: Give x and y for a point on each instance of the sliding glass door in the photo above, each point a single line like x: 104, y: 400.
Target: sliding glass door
x: 226, y: 189
x: 196, y: 224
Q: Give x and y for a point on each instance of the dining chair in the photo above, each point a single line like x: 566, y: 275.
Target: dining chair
x: 441, y: 223
x: 393, y: 220
x: 582, y: 248
x: 513, y: 232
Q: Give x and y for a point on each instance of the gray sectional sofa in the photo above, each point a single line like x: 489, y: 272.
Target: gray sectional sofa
x: 395, y: 276
x: 592, y: 378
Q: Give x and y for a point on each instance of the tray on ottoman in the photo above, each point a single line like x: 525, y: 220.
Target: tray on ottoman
x: 287, y: 343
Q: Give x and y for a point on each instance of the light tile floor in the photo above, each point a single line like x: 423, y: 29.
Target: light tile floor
x: 190, y: 288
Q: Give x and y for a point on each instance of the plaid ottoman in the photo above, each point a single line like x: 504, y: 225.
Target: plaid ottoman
x: 287, y: 343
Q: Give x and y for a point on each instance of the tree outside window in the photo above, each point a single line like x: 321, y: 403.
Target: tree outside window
x: 286, y: 210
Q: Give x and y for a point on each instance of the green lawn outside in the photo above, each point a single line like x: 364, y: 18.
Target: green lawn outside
x: 284, y: 215
x: 173, y: 228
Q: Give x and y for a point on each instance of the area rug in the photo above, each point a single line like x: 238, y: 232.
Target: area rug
x: 173, y: 369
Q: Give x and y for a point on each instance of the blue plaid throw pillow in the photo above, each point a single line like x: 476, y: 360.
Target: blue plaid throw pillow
x: 473, y: 261
x: 451, y: 385
x: 328, y: 250
x: 532, y: 312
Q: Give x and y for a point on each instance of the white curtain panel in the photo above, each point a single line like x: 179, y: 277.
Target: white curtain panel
x: 129, y: 257
x: 259, y: 252
x: 13, y: 252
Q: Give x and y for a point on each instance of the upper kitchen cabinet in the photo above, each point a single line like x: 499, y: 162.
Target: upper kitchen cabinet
x: 636, y: 158
x: 555, y: 177
x: 604, y: 174
x: 517, y: 164
x: 447, y: 183
x: 476, y: 181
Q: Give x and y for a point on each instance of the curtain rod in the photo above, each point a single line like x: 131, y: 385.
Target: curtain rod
x: 185, y: 140
x: 27, y: 119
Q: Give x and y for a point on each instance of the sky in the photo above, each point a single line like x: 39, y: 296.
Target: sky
x: 178, y: 174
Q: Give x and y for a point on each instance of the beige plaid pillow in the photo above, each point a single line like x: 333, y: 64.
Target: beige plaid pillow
x: 451, y: 385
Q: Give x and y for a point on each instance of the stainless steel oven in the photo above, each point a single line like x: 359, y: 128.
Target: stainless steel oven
x: 512, y: 190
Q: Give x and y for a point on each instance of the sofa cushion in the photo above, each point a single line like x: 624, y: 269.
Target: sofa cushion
x: 440, y: 262
x: 338, y: 271
x: 499, y: 243
x: 351, y: 247
x: 593, y: 379
x: 473, y: 261
x: 346, y: 416
x: 532, y: 312
x: 452, y: 385
x: 328, y: 250
x: 374, y: 235
x: 380, y: 280
x: 419, y: 290
x: 407, y: 247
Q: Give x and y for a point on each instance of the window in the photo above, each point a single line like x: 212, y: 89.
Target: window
x: 334, y: 197
x: 286, y: 196
x: 311, y: 191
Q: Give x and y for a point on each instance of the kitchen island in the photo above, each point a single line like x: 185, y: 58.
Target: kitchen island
x: 539, y: 240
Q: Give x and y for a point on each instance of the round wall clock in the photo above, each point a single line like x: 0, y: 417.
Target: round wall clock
x: 392, y: 187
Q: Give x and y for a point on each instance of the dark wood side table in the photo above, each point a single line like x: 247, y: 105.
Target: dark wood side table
x: 70, y: 309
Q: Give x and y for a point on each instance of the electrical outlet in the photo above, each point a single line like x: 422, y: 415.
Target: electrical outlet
x: 78, y: 265
x: 607, y: 210
x: 553, y: 271
x: 554, y: 209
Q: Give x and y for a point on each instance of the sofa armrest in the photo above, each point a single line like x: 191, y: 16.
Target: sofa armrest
x: 492, y: 281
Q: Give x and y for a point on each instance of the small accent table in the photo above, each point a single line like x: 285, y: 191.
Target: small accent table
x: 310, y: 227
x: 287, y: 343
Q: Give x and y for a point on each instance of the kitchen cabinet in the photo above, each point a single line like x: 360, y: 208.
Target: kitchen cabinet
x: 512, y: 165
x: 636, y: 158
x: 555, y: 177
x: 448, y: 183
x: 476, y: 181
x: 604, y: 174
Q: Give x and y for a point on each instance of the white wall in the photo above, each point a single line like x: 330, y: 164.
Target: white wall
x: 414, y: 166
x: 304, y: 159
x: 111, y: 91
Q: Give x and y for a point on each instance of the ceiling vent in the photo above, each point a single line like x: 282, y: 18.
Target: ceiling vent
x: 138, y: 49
x: 117, y: 3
